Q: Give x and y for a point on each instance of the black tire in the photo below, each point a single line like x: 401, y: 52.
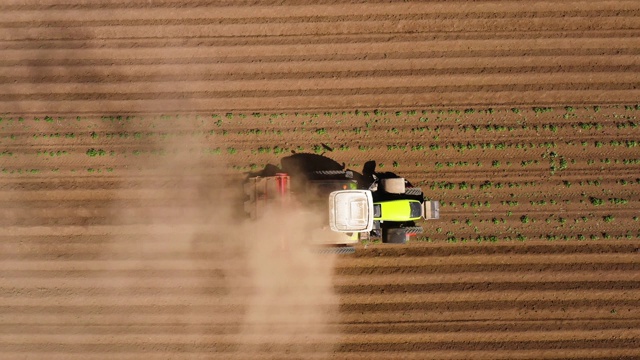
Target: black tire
x: 339, y: 250
x: 413, y: 191
x: 329, y: 172
x: 413, y: 230
x: 393, y: 185
x: 394, y: 236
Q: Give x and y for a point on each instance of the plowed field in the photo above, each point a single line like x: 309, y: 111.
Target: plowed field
x: 126, y: 128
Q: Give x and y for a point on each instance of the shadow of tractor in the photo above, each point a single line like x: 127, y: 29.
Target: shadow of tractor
x: 308, y: 166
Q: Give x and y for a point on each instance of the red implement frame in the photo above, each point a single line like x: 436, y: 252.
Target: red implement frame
x: 263, y: 191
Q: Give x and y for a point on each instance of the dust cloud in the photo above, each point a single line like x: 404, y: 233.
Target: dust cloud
x: 293, y: 301
x: 259, y: 287
x: 179, y: 272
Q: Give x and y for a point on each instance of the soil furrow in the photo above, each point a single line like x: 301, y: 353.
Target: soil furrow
x: 78, y: 44
x: 167, y: 92
x: 514, y: 296
x: 346, y: 75
x: 94, y: 19
x: 506, y: 46
x: 513, y: 341
x: 35, y: 61
x: 229, y: 7
x: 226, y: 318
x: 452, y: 63
x: 351, y: 328
x: 323, y: 28
x: 349, y: 339
x: 471, y: 9
x: 309, y: 87
x: 453, y: 256
x: 442, y: 281
x: 588, y: 354
x: 504, y: 96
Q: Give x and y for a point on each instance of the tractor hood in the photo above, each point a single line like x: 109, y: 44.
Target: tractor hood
x: 351, y: 211
x: 398, y: 210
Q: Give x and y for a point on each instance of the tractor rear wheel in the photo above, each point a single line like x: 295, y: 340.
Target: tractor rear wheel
x: 413, y: 230
x: 394, y: 236
x: 329, y: 172
x: 393, y: 185
x: 338, y: 250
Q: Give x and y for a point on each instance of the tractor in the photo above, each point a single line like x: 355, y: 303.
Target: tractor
x: 359, y: 206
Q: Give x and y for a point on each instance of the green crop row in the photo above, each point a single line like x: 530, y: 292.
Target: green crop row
x: 219, y: 117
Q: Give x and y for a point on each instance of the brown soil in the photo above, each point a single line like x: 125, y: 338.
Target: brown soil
x: 137, y: 251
